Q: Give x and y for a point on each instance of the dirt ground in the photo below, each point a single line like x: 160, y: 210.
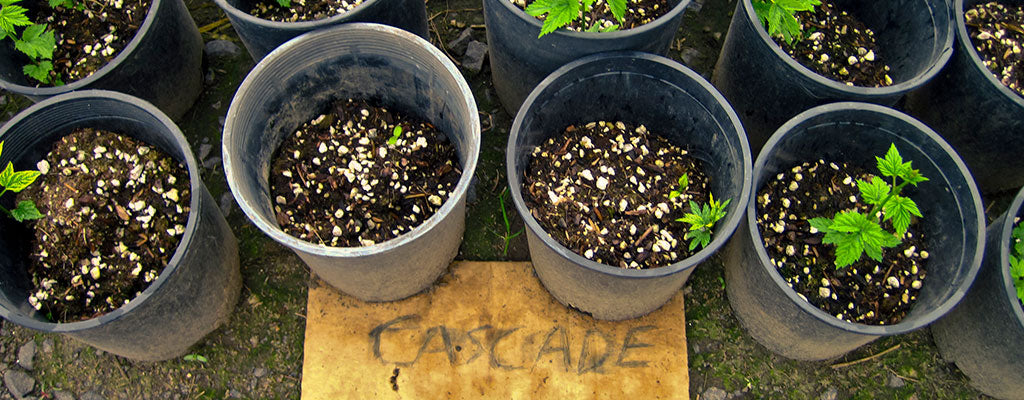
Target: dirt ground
x: 258, y: 354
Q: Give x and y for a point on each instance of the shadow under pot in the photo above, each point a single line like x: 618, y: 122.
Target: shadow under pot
x: 297, y: 83
x: 619, y: 213
x: 261, y: 36
x: 969, y: 106
x: 767, y: 86
x: 519, y: 60
x: 983, y: 333
x: 160, y: 64
x: 794, y: 275
x: 176, y: 307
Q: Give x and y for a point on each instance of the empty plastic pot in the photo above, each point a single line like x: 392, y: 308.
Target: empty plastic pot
x: 667, y: 98
x: 302, y: 77
x: 197, y: 289
x: 953, y: 225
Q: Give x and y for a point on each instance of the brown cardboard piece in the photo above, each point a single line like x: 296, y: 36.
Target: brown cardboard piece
x: 488, y: 330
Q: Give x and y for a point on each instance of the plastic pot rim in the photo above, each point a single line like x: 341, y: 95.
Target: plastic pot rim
x: 885, y: 91
x: 728, y: 227
x: 961, y: 33
x: 879, y: 330
x: 100, y: 73
x: 271, y: 228
x: 190, y: 226
x: 235, y: 12
x: 1005, y: 237
x: 615, y: 35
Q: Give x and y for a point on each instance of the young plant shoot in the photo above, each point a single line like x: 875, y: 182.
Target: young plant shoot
x: 854, y: 233
x: 1017, y: 260
x: 397, y: 133
x: 561, y: 12
x: 12, y: 181
x: 701, y: 220
x: 684, y: 183
x: 36, y: 41
x: 779, y: 16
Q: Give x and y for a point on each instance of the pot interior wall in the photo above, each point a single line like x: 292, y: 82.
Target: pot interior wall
x: 950, y: 218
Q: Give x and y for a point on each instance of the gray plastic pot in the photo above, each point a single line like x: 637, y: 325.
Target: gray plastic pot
x: 637, y: 88
x: 297, y: 80
x: 983, y: 334
x: 768, y: 87
x: 261, y: 36
x: 519, y: 60
x: 977, y: 114
x: 200, y: 284
x: 953, y: 225
x: 162, y: 64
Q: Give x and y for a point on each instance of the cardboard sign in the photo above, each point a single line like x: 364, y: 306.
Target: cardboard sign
x: 488, y: 330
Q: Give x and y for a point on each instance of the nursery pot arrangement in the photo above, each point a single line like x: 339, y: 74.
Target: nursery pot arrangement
x: 200, y: 284
x: 983, y: 333
x: 975, y: 112
x: 519, y: 60
x: 766, y: 86
x: 360, y: 60
x: 855, y: 133
x: 161, y: 64
x: 261, y: 36
x: 667, y: 98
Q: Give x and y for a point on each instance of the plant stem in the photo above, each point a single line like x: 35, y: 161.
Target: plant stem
x: 895, y: 191
x: 6, y: 211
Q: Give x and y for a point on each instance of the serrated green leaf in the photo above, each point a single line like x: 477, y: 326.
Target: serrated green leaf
x: 558, y: 13
x: 6, y: 175
x: 892, y: 165
x: 37, y: 42
x: 610, y: 28
x: 821, y: 224
x: 761, y: 8
x: 18, y: 181
x: 1016, y: 267
x: 913, y: 176
x: 798, y: 5
x: 775, y: 20
x: 850, y: 222
x: 284, y: 3
x: 25, y: 211
x: 12, y: 16
x: 7, y: 2
x: 791, y: 28
x: 848, y: 250
x: 899, y: 209
x: 873, y: 192
x: 1, y: 147
x: 39, y: 71
x: 618, y: 8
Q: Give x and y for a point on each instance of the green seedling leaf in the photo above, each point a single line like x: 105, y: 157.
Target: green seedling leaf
x: 395, y: 135
x: 559, y: 13
x: 779, y: 17
x: 702, y: 220
x: 875, y: 192
x: 618, y: 8
x: 39, y: 71
x: 892, y: 165
x: 12, y: 16
x: 17, y: 181
x: 855, y: 234
x: 285, y: 3
x: 900, y: 209
x: 195, y: 358
x: 37, y: 42
x: 684, y: 183
x: 610, y: 28
x: 25, y: 211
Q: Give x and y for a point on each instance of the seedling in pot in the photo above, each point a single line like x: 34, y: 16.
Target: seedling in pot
x: 1017, y: 260
x: 36, y: 41
x: 559, y: 13
x: 684, y: 183
x: 16, y: 181
x: 778, y: 16
x: 395, y: 135
x: 508, y: 235
x: 854, y: 233
x: 702, y: 220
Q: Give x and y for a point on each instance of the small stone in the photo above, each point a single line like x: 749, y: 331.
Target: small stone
x: 830, y: 394
x: 62, y: 395
x: 18, y: 383
x: 852, y: 60
x: 895, y: 381
x: 892, y: 281
x: 27, y: 354
x: 870, y: 56
x: 713, y: 393
x: 824, y: 292
x: 602, y: 183
x: 474, y: 58
x: 259, y: 372
x: 220, y: 48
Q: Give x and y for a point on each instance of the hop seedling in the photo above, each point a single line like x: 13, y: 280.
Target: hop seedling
x: 285, y: 3
x: 395, y: 134
x: 16, y: 181
x: 559, y: 13
x: 1017, y: 260
x: 854, y: 233
x: 36, y: 41
x: 702, y: 220
x: 779, y: 16
x: 684, y: 183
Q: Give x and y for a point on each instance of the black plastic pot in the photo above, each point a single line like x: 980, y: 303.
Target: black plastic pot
x: 636, y: 88
x: 768, y: 87
x: 983, y: 334
x: 298, y: 80
x: 162, y: 64
x: 200, y: 284
x: 262, y: 36
x: 519, y: 60
x: 977, y: 114
x: 773, y: 313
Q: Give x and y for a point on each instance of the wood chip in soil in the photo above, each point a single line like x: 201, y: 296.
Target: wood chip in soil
x: 89, y: 38
x: 336, y: 181
x: 838, y: 46
x: 638, y: 13
x: 997, y: 33
x: 602, y: 190
x: 115, y: 210
x: 866, y: 292
x: 302, y: 10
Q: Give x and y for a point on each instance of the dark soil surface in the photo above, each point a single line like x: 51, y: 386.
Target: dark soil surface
x: 115, y: 212
x: 997, y: 33
x: 302, y: 10
x: 840, y: 47
x: 638, y: 12
x: 866, y: 292
x: 339, y: 181
x: 602, y: 190
x: 88, y: 38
